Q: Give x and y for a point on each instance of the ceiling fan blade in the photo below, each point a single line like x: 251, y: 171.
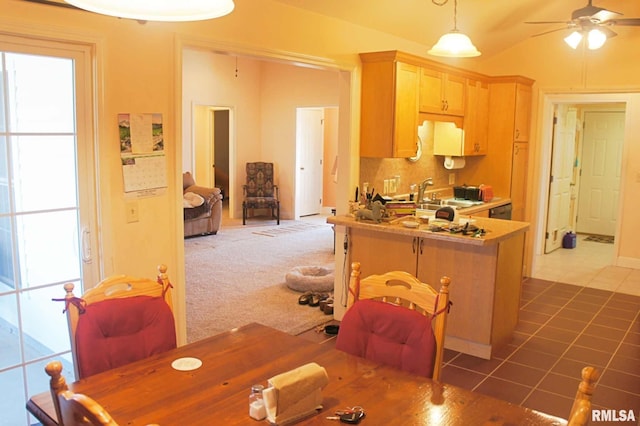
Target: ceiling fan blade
x: 550, y: 31
x: 605, y: 15
x: 548, y: 22
x: 629, y: 22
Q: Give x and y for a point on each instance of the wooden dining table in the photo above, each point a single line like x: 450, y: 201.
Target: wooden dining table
x: 151, y: 391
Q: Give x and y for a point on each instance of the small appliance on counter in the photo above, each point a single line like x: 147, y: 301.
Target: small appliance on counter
x: 473, y: 193
x: 466, y: 192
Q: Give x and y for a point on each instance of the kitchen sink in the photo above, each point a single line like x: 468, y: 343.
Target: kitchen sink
x: 429, y: 206
x: 462, y: 203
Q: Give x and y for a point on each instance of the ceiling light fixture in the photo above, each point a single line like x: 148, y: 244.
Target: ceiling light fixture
x: 595, y: 38
x: 453, y: 44
x: 158, y: 10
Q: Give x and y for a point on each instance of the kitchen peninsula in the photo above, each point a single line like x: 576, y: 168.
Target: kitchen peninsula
x: 486, y: 272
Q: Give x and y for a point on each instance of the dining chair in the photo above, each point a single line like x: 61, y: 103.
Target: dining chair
x: 120, y: 320
x: 260, y: 192
x: 581, y: 410
x: 397, y: 320
x: 74, y: 409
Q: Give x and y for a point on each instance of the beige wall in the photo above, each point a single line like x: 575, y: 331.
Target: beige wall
x: 139, y: 70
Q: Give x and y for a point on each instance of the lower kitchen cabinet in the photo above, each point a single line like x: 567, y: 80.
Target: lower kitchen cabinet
x: 485, y: 281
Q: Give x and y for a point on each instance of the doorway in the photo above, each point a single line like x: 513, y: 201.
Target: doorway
x: 47, y: 208
x: 565, y: 153
x: 212, y: 146
x: 309, y: 158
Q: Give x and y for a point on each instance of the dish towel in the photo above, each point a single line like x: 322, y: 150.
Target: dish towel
x: 295, y: 394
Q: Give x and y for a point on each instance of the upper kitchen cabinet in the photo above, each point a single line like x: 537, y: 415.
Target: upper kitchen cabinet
x: 389, y: 110
x: 449, y: 140
x: 511, y: 100
x: 441, y: 92
x: 476, y: 118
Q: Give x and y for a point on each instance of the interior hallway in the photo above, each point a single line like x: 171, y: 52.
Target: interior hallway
x: 589, y: 264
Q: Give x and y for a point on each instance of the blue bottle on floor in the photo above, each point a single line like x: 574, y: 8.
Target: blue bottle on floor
x: 569, y: 240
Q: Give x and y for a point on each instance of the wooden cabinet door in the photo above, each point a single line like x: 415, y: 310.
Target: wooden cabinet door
x: 406, y: 111
x: 389, y: 109
x: 380, y: 252
x: 519, y: 180
x: 476, y: 119
x: 441, y: 93
x: 430, y: 98
x: 455, y: 88
x: 523, y: 113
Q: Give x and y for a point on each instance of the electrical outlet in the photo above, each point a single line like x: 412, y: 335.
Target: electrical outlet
x: 132, y: 211
x: 385, y: 187
x: 452, y: 178
x: 392, y: 186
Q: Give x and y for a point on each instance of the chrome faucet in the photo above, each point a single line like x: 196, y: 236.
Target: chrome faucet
x: 422, y: 187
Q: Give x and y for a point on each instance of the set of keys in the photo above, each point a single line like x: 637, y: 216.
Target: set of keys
x: 350, y: 415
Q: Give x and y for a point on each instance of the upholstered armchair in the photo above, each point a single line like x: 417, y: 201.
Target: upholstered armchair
x: 202, y: 207
x: 260, y: 192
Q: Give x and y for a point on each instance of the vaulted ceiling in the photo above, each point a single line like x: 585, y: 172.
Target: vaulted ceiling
x: 493, y: 25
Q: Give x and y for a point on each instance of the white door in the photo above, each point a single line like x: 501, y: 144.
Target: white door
x: 560, y: 185
x: 47, y: 209
x: 309, y: 148
x: 600, y: 174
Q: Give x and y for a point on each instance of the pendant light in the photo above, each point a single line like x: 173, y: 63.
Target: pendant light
x: 454, y: 44
x: 158, y: 10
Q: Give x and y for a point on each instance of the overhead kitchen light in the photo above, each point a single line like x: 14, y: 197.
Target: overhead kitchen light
x: 158, y: 10
x: 596, y: 38
x: 453, y: 44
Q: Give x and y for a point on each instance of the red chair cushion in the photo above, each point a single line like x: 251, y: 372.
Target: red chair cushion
x: 115, y: 332
x: 389, y: 334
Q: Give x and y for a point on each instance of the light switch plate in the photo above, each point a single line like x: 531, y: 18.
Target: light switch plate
x: 452, y: 178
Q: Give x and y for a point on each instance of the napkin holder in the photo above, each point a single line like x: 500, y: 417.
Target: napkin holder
x: 295, y: 394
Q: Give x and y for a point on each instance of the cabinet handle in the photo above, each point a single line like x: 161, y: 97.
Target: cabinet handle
x: 414, y: 245
x: 421, y: 244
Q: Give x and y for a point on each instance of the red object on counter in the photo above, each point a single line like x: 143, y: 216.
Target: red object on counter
x: 487, y: 193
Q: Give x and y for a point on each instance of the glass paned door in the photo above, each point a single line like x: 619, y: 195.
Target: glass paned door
x: 43, y: 212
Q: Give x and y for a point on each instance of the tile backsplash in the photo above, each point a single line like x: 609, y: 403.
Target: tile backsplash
x: 376, y: 170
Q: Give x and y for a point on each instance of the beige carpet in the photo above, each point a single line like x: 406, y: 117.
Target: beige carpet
x: 238, y: 276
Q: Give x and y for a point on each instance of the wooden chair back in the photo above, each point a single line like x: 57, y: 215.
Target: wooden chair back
x: 581, y: 410
x: 114, y: 287
x: 404, y: 289
x: 74, y: 409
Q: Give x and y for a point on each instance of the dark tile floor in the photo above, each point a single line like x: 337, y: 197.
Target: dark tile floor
x: 562, y: 328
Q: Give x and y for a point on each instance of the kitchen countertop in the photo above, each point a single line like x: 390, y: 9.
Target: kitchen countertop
x: 496, y: 202
x: 497, y: 230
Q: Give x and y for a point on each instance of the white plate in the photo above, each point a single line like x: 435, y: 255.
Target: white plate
x: 186, y: 364
x: 410, y: 224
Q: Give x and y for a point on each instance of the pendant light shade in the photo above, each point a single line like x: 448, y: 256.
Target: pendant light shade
x: 158, y: 10
x: 454, y: 44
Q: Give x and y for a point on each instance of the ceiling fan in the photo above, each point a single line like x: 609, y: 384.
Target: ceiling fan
x: 592, y: 21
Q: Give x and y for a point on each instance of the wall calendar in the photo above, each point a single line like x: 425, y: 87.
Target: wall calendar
x: 144, y: 165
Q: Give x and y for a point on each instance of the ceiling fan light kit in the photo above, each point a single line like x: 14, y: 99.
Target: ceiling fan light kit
x: 453, y: 44
x: 590, y: 23
x: 158, y: 10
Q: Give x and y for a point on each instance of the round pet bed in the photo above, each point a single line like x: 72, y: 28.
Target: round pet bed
x: 310, y: 278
